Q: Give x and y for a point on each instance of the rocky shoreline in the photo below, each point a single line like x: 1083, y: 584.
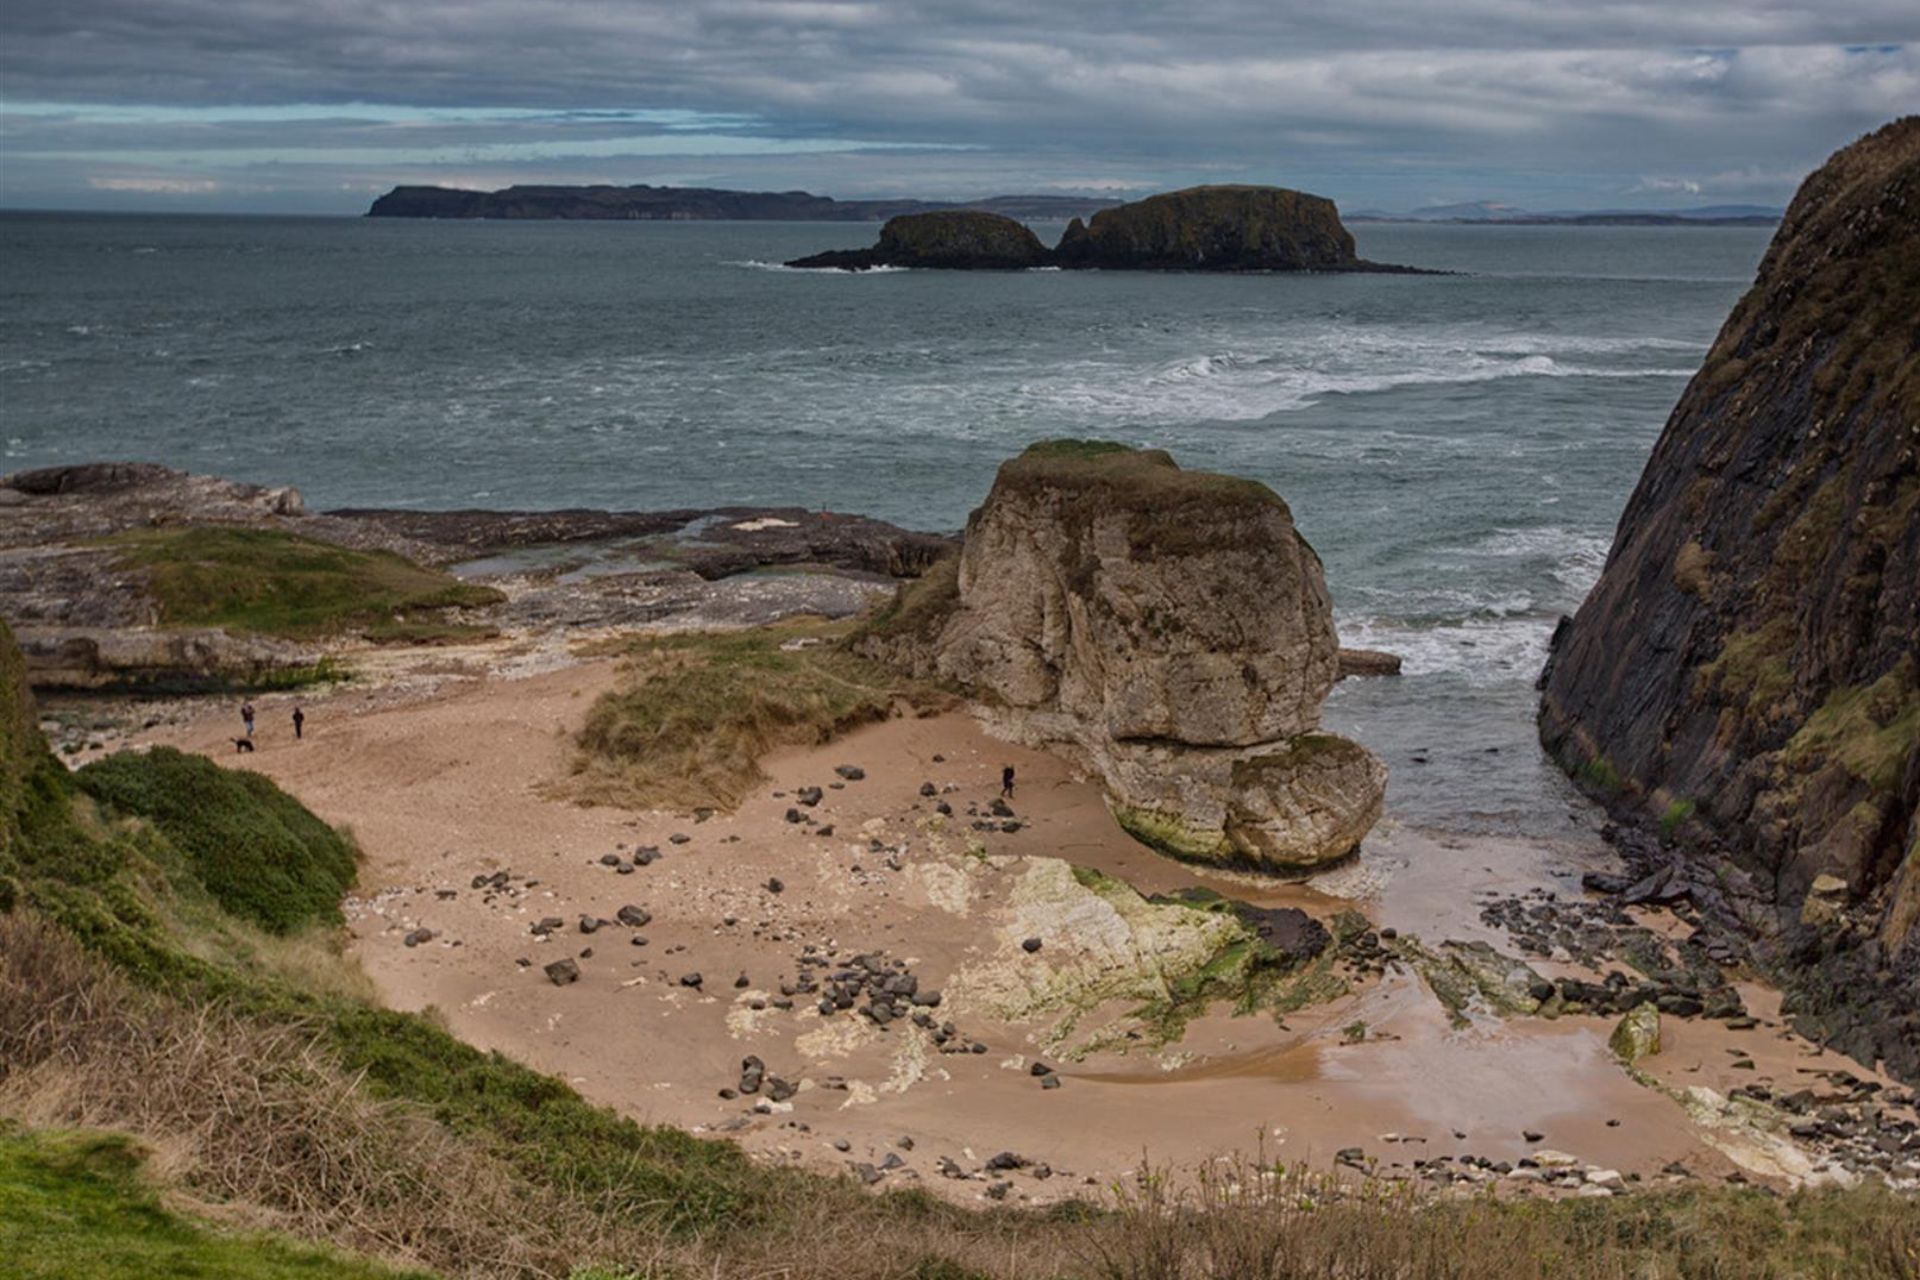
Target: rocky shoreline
x: 85, y: 618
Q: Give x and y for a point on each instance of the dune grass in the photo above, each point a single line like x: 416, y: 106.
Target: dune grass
x: 695, y: 712
x: 267, y: 582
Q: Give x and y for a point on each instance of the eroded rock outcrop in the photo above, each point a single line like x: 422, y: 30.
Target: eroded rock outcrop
x: 1169, y: 628
x: 1222, y: 228
x: 955, y: 240
x: 1746, y: 667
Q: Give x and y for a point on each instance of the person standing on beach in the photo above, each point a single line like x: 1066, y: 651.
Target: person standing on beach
x: 1006, y: 783
x: 299, y: 722
x: 246, y: 717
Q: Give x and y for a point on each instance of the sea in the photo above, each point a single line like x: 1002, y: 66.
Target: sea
x: 1457, y: 447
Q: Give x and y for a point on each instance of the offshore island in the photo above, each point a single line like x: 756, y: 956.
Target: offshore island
x: 646, y: 889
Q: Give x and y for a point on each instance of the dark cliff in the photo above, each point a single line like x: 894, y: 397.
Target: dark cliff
x: 951, y: 239
x: 1746, y: 666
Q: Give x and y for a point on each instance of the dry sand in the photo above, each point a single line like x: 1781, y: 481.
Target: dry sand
x: 452, y: 780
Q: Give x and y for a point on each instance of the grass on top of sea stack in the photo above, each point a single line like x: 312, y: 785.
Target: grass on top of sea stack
x: 695, y: 712
x: 266, y: 582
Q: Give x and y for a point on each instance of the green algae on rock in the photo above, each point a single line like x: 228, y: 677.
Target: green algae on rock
x: 1636, y: 1035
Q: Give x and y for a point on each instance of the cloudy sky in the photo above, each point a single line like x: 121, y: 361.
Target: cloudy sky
x: 318, y: 105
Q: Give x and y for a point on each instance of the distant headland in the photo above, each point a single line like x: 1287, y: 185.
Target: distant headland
x: 699, y: 204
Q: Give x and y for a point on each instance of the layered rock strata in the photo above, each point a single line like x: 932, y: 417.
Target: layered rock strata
x: 1746, y: 669
x: 1171, y: 630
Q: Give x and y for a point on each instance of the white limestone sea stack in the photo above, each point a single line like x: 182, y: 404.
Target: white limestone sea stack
x: 1171, y: 631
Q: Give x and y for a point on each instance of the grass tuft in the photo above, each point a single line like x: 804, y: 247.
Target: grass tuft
x: 694, y: 713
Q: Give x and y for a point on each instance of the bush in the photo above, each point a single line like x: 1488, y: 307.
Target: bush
x: 258, y: 851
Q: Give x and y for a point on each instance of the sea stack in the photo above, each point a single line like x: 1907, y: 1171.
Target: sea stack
x: 1225, y: 228
x: 1168, y: 629
x: 1746, y: 668
x: 958, y: 239
x: 1229, y: 228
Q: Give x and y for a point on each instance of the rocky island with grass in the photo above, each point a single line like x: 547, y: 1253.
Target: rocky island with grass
x: 1217, y: 228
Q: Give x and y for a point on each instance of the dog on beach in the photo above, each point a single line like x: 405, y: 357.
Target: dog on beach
x: 242, y: 744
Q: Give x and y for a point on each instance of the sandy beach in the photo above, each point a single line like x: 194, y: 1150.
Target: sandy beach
x: 447, y: 781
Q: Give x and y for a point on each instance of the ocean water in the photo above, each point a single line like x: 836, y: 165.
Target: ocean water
x: 1457, y: 448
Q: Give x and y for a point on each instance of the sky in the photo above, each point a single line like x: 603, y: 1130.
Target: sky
x: 317, y: 106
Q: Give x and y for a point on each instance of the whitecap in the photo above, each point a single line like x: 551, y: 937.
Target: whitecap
x: 758, y: 265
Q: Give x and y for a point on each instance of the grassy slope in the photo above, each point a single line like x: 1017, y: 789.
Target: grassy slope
x: 259, y: 852
x: 265, y: 582
x: 695, y: 712
x: 73, y: 1206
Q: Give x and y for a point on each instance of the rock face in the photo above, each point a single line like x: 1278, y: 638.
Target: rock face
x: 1746, y: 666
x: 1169, y: 628
x: 1227, y: 228
x: 958, y: 239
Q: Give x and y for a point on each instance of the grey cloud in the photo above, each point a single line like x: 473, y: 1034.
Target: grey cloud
x: 1605, y: 93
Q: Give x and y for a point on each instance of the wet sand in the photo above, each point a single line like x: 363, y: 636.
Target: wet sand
x: 452, y: 780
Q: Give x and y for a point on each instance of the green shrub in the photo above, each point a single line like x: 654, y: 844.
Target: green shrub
x: 260, y: 853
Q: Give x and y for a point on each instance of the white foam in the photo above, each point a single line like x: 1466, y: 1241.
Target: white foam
x: 758, y: 265
x: 1572, y: 559
x: 1295, y: 366
x: 1485, y: 651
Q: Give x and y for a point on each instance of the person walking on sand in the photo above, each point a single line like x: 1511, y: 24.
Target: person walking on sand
x: 1006, y: 783
x: 246, y: 717
x: 299, y: 723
